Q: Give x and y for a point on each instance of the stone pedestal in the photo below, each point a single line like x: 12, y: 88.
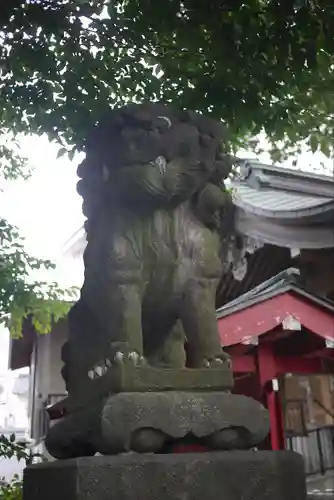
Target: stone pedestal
x: 146, y: 422
x: 235, y: 475
x: 126, y: 377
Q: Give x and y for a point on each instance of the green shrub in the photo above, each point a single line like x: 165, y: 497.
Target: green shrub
x: 10, y: 448
x: 11, y: 490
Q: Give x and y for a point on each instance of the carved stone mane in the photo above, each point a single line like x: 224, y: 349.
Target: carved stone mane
x: 150, y: 134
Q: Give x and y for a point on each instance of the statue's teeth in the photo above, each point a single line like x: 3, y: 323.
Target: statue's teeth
x: 91, y: 374
x: 108, y: 363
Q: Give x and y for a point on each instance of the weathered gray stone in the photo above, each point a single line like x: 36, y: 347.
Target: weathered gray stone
x: 129, y: 378
x: 146, y: 421
x: 159, y: 227
x: 210, y: 476
x: 321, y: 495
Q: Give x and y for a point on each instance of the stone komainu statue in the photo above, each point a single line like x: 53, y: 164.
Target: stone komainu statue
x: 156, y: 208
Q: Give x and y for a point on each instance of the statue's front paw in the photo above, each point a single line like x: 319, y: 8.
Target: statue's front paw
x: 118, y: 358
x: 99, y: 369
x: 132, y: 357
x: 121, y: 354
x: 218, y: 361
x: 136, y: 359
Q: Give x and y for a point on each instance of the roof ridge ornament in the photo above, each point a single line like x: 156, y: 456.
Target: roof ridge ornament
x: 245, y: 170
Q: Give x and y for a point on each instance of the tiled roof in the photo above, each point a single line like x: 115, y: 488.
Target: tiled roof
x: 285, y: 281
x: 75, y: 246
x: 278, y: 203
x: 284, y: 207
x: 271, y: 191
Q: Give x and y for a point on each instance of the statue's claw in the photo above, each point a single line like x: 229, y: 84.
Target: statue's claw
x: 136, y: 358
x: 133, y: 357
x: 143, y: 361
x: 119, y: 357
x: 218, y: 361
x: 98, y: 370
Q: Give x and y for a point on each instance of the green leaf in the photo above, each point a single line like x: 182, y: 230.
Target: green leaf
x: 325, y: 146
x: 20, y: 299
x: 276, y: 155
x: 314, y: 143
x: 71, y: 154
x: 61, y: 152
x: 69, y: 63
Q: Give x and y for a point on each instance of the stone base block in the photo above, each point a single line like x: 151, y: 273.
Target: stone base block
x: 148, y: 422
x: 211, y: 476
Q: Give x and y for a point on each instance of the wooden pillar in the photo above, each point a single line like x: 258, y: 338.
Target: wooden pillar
x: 267, y: 374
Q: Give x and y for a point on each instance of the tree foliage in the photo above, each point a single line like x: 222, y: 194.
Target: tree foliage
x: 11, y: 448
x: 20, y: 296
x: 12, y: 490
x: 261, y: 65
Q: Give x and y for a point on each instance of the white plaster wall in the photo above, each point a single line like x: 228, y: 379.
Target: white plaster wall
x: 10, y: 467
x: 41, y: 376
x: 57, y: 338
x: 47, y: 366
x: 48, y: 380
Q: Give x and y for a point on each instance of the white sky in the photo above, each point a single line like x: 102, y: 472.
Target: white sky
x: 47, y: 208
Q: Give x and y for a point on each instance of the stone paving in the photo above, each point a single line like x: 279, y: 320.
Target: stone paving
x: 321, y: 487
x: 320, y: 495
x: 324, y: 493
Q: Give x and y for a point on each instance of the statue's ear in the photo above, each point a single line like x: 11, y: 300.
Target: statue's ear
x: 83, y: 168
x: 162, y: 123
